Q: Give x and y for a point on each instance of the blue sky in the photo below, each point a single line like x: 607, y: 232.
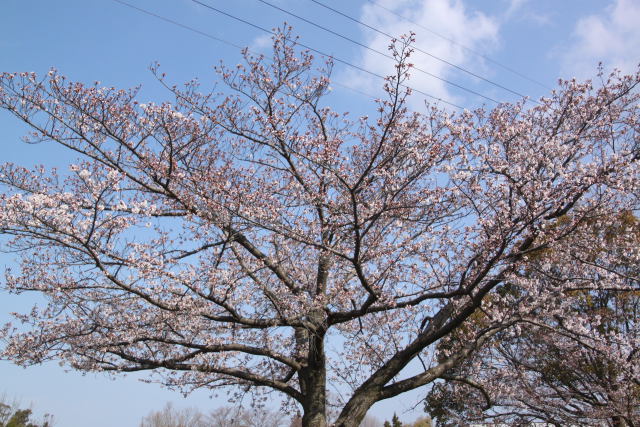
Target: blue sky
x: 109, y: 42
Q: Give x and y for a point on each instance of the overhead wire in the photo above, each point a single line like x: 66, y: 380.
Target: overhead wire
x: 220, y: 40
x: 179, y: 24
x: 333, y: 82
x: 421, y: 70
x: 468, y: 49
x: 418, y: 49
x: 312, y: 49
x: 359, y: 68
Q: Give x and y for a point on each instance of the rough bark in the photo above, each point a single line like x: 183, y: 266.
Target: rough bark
x: 357, y: 407
x: 619, y: 421
x: 313, y: 378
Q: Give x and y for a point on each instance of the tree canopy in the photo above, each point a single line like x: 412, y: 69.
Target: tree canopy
x: 561, y: 378
x: 224, y: 239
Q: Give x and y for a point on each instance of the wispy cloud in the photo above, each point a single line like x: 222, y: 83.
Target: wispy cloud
x: 262, y: 42
x: 449, y: 18
x: 514, y: 7
x: 522, y: 10
x: 612, y: 37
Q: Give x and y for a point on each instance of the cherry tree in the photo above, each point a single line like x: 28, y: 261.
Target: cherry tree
x: 553, y: 378
x: 574, y: 362
x: 257, y: 239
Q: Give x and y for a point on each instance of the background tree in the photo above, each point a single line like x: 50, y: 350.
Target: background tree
x: 11, y: 415
x: 222, y: 239
x: 226, y: 416
x: 241, y: 417
x: 172, y: 417
x: 395, y: 422
x: 422, y: 422
x: 563, y: 378
x: 370, y: 421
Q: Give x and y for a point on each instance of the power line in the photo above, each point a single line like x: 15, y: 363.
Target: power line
x: 449, y: 82
x: 368, y: 95
x: 186, y: 27
x: 342, y: 61
x: 450, y: 40
x: 458, y: 67
x: 227, y: 42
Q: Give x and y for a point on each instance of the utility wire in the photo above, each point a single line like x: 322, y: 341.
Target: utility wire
x: 376, y: 51
x: 468, y: 49
x: 227, y: 42
x: 319, y: 52
x: 186, y: 27
x: 210, y: 36
x: 458, y: 67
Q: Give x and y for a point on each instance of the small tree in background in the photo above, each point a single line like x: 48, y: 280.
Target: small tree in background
x: 395, y: 422
x: 240, y: 417
x: 11, y: 415
x: 226, y: 416
x: 422, y: 422
x: 172, y: 417
x: 370, y: 421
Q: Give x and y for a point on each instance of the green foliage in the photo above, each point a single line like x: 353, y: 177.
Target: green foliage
x: 20, y: 418
x: 420, y: 422
x: 11, y: 416
x: 395, y: 422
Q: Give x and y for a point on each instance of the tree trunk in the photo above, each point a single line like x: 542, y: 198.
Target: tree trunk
x: 313, y: 382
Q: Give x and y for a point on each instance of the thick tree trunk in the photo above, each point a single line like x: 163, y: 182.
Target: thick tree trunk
x: 313, y: 382
x: 315, y: 397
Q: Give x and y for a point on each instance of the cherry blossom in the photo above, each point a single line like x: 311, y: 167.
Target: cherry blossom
x: 257, y: 239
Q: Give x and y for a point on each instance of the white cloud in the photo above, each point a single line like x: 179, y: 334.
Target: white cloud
x: 522, y: 10
x: 515, y: 6
x: 262, y: 42
x: 449, y: 18
x: 612, y: 38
